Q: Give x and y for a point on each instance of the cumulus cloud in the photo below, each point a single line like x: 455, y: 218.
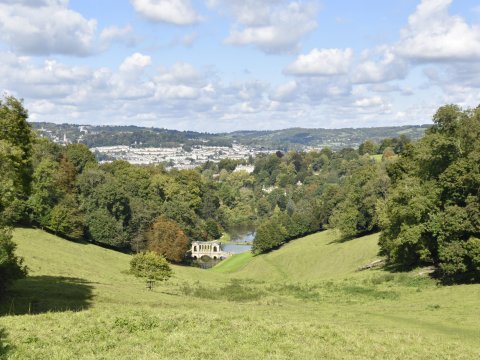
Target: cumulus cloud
x: 388, y: 67
x: 45, y: 27
x: 177, y: 12
x: 285, y: 92
x: 322, y: 62
x: 433, y: 34
x: 273, y: 26
x: 136, y: 62
x: 183, y: 97
x: 369, y: 101
x: 118, y: 34
x: 179, y: 72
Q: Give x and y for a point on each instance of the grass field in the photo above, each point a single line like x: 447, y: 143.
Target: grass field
x: 303, y: 301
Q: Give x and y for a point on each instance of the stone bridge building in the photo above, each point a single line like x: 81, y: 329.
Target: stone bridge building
x: 212, y: 249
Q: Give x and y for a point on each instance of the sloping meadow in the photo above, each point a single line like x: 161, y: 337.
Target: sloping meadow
x: 305, y: 300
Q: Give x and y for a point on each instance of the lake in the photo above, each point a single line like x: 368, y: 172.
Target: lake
x: 236, y: 248
x: 242, y: 233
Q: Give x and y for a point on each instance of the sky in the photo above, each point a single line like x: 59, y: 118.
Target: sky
x: 226, y: 65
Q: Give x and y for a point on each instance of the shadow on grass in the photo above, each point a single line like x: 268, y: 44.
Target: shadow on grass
x: 40, y: 294
x: 4, y: 348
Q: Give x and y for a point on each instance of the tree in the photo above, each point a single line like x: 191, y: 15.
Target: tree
x: 213, y: 229
x: 45, y: 192
x: 166, y: 238
x: 16, y: 133
x: 180, y: 212
x: 270, y: 234
x: 11, y: 266
x: 150, y: 265
x: 355, y: 214
x: 431, y: 213
x: 367, y: 147
x: 15, y: 176
x: 106, y: 229
x: 80, y: 156
x: 66, y: 219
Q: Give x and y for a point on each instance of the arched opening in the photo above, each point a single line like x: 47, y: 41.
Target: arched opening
x: 195, y: 257
x: 214, y: 258
x: 215, y: 249
x: 195, y: 248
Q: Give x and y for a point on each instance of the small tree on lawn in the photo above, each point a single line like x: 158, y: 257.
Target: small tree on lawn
x: 150, y: 265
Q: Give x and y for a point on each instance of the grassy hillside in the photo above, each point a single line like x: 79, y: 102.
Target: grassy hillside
x: 233, y: 264
x: 303, y: 301
x: 314, y: 257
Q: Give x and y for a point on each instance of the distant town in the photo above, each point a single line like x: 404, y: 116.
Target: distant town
x: 178, y: 157
x: 189, y: 149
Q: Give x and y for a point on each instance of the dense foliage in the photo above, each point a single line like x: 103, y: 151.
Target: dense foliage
x: 432, y: 212
x: 165, y: 237
x: 15, y: 177
x: 150, y: 265
x: 308, y: 192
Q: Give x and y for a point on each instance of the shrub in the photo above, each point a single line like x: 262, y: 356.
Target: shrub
x: 11, y: 266
x: 150, y: 265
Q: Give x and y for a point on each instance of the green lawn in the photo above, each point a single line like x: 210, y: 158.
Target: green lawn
x: 303, y: 301
x: 314, y: 257
x: 233, y: 263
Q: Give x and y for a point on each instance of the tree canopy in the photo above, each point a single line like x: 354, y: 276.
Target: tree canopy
x: 15, y: 176
x: 431, y: 213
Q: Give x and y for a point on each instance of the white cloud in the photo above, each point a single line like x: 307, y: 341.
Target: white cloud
x: 273, y: 26
x: 370, y: 101
x: 46, y: 27
x: 389, y: 67
x: 135, y: 63
x: 322, y: 62
x: 433, y: 34
x: 285, y: 92
x: 179, y: 72
x: 118, y: 34
x: 178, y: 12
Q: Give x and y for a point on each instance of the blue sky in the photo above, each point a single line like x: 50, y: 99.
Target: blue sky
x: 224, y: 65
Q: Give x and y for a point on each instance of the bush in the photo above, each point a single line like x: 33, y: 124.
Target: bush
x: 11, y: 267
x: 150, y: 265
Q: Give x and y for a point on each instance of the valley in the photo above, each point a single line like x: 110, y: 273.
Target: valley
x: 304, y: 300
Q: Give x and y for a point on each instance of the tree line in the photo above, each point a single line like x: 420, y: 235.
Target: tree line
x: 423, y: 196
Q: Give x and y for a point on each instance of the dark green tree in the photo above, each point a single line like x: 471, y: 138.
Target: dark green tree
x: 431, y: 214
x: 15, y: 177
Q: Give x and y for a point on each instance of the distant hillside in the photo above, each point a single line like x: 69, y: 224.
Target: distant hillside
x: 295, y: 138
x: 334, y: 138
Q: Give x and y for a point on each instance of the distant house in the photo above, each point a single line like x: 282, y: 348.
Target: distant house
x: 248, y: 168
